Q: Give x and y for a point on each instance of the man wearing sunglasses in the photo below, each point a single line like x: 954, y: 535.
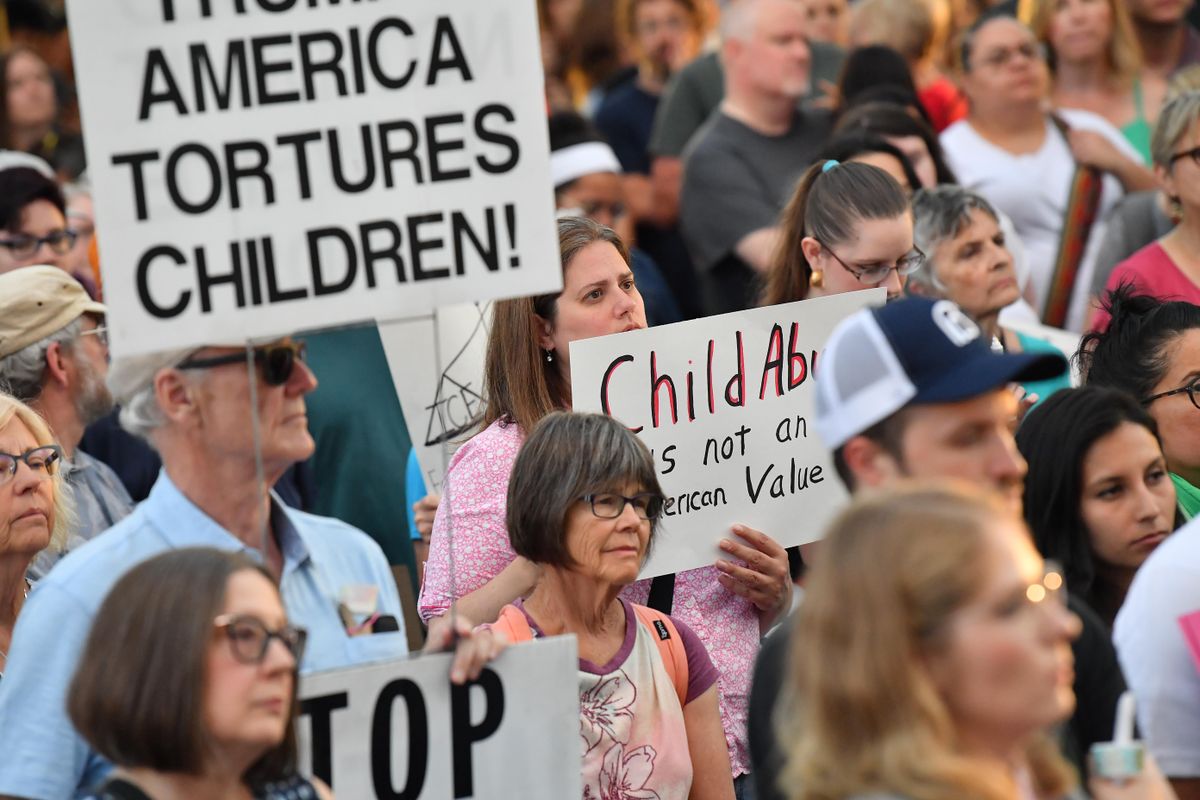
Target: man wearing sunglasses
x: 227, y: 421
x: 54, y: 356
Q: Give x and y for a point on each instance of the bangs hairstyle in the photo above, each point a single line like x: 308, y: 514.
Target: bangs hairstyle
x: 520, y: 384
x: 860, y: 707
x: 1131, y: 354
x: 567, y: 456
x: 1124, y: 55
x: 138, y: 694
x: 1055, y: 439
x: 827, y: 205
x: 64, y: 502
x: 1175, y: 122
x: 20, y: 186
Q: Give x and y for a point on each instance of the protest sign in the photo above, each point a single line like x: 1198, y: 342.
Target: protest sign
x: 725, y: 405
x: 261, y: 166
x: 400, y: 731
x: 441, y: 401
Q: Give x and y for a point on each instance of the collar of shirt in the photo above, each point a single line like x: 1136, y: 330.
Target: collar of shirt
x: 184, y: 524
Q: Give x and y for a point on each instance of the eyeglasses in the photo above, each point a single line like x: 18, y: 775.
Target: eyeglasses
x: 998, y: 59
x: 249, y: 637
x: 276, y: 361
x: 608, y: 505
x: 1191, y: 389
x: 874, y: 274
x: 42, y: 460
x: 1194, y: 154
x: 100, y: 332
x: 23, y: 245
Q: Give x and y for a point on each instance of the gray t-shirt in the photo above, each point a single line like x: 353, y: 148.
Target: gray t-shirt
x: 695, y: 92
x: 736, y: 181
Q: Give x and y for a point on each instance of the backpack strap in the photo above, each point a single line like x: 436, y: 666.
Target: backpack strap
x: 670, y: 647
x: 513, y: 624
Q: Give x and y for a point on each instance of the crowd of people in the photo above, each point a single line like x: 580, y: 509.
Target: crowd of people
x: 1016, y: 554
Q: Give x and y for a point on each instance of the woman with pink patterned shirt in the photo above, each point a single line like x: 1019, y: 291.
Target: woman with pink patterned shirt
x: 729, y: 605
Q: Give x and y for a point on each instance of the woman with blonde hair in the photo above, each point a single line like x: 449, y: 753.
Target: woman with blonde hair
x: 931, y: 655
x: 35, y: 509
x: 1097, y: 64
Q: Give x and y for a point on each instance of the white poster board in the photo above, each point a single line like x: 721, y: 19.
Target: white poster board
x: 442, y: 402
x: 262, y: 166
x: 726, y: 406
x: 400, y: 730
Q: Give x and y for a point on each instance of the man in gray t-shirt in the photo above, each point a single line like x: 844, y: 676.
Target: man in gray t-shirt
x: 741, y: 167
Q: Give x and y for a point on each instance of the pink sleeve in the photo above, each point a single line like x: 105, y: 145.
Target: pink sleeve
x: 471, y: 517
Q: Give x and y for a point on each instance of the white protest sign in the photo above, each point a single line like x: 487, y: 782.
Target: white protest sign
x: 440, y: 402
x: 261, y: 166
x: 725, y: 404
x: 400, y: 731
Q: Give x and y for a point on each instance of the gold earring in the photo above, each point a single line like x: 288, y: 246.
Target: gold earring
x: 816, y: 280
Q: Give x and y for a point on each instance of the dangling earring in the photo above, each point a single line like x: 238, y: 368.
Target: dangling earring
x: 549, y: 356
x: 817, y: 279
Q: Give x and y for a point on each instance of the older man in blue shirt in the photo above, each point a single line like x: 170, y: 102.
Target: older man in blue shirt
x: 203, y: 411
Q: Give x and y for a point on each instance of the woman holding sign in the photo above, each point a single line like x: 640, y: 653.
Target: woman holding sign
x: 729, y: 605
x: 847, y: 227
x: 584, y: 504
x: 194, y: 695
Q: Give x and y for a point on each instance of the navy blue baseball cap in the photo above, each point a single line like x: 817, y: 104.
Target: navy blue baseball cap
x: 911, y: 352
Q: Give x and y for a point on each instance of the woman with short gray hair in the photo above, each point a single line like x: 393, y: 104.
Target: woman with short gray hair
x: 969, y: 263
x: 1169, y: 267
x: 584, y: 505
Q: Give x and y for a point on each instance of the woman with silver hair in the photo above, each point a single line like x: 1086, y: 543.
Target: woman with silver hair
x: 584, y: 505
x: 1169, y: 267
x: 969, y: 263
x: 35, y: 510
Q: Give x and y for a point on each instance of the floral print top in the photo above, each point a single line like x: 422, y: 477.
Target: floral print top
x: 472, y: 514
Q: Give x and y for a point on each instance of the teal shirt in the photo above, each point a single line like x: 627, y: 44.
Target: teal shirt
x: 1043, y: 389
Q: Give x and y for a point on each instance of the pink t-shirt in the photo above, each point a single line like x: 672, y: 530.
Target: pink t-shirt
x: 473, y: 507
x: 1153, y: 272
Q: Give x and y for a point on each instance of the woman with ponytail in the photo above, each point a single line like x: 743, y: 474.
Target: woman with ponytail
x: 847, y: 227
x: 1151, y: 349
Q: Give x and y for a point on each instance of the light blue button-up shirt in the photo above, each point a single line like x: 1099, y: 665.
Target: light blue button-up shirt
x: 41, y: 755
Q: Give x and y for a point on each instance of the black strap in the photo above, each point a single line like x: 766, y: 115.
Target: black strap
x: 662, y: 593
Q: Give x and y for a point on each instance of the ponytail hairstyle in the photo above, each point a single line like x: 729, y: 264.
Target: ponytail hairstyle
x: 1131, y: 354
x: 828, y: 204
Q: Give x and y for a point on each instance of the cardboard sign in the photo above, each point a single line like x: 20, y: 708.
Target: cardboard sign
x: 440, y: 403
x: 725, y: 404
x: 261, y: 166
x: 400, y: 730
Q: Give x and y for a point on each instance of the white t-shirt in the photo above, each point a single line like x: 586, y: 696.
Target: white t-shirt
x: 1033, y: 190
x: 1154, y: 654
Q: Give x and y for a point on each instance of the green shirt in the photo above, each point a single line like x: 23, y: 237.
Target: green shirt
x: 1187, y: 496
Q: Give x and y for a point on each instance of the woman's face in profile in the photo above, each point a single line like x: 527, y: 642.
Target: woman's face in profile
x: 248, y: 705
x: 1003, y: 665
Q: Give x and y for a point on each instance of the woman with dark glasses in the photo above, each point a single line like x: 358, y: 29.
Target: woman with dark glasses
x: 34, y: 506
x: 847, y: 227
x: 1151, y: 350
x: 194, y: 696
x: 583, y: 505
x: 1169, y: 267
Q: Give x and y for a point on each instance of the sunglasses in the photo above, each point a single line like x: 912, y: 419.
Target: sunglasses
x: 249, y: 638
x: 275, y: 362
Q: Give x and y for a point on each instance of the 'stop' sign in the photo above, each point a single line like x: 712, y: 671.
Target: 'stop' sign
x: 266, y: 165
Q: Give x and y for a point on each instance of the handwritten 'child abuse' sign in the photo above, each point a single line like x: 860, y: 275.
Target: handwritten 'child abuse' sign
x: 726, y: 406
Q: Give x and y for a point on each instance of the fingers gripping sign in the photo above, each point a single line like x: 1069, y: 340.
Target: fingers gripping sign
x: 757, y: 570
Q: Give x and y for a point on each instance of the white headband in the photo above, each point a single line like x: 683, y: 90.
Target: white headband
x: 572, y: 163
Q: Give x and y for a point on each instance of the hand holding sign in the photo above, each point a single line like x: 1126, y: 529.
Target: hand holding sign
x: 473, y: 647
x: 765, y: 580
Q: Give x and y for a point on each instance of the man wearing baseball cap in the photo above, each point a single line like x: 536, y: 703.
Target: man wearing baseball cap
x: 913, y: 390
x: 54, y: 356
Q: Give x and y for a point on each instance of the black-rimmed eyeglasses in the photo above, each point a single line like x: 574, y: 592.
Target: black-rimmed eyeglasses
x: 609, y: 505
x: 249, y: 637
x: 1192, y: 389
x: 1193, y: 154
x: 23, y: 245
x: 275, y: 361
x: 875, y: 274
x: 42, y: 460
